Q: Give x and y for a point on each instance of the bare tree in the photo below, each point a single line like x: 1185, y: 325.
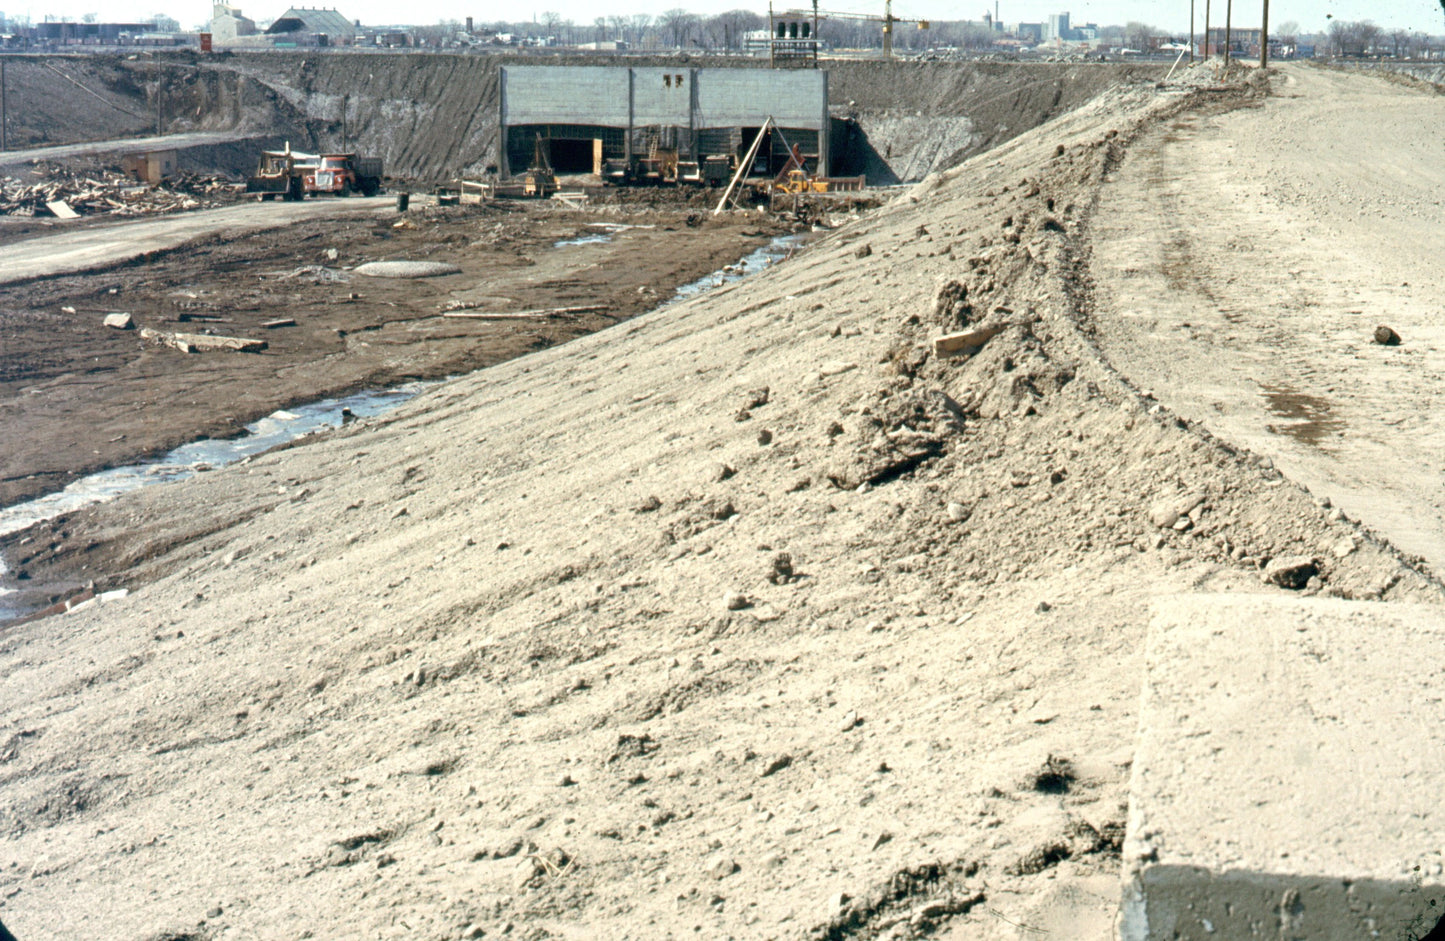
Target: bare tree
x: 726, y: 30
x: 1287, y: 32
x: 550, y: 20
x: 1369, y: 35
x: 1140, y: 36
x: 1400, y: 39
x: 677, y: 24
x: 639, y: 22
x: 619, y: 26
x: 1338, y: 35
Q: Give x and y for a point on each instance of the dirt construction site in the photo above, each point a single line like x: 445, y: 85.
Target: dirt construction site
x: 1044, y: 548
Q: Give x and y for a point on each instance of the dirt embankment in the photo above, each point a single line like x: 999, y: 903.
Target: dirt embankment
x: 74, y: 99
x: 755, y: 617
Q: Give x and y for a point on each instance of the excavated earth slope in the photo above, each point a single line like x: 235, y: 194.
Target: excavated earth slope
x: 748, y: 618
x: 434, y: 117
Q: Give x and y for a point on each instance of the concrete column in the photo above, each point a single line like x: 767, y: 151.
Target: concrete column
x: 825, y: 162
x: 627, y: 141
x: 504, y: 169
x: 692, y: 110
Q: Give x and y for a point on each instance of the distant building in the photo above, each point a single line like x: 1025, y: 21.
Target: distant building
x: 1242, y: 42
x: 306, y: 26
x: 228, y: 25
x: 1030, y: 32
x: 90, y: 33
x: 1060, y: 29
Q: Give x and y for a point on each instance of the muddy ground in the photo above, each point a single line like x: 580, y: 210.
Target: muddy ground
x: 77, y: 396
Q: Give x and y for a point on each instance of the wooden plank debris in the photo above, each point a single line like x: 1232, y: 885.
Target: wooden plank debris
x: 968, y: 342
x: 60, y: 209
x: 62, y: 194
x: 282, y: 322
x: 463, y: 310
x: 202, y: 342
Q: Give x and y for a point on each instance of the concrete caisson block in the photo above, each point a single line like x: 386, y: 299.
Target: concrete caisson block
x: 1289, y: 780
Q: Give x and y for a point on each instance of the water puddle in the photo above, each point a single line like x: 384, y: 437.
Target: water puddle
x: 1309, y: 419
x: 198, y: 456
x: 779, y: 249
x: 605, y: 232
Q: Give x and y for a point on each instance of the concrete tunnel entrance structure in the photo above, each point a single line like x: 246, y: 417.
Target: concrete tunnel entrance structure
x: 589, y: 116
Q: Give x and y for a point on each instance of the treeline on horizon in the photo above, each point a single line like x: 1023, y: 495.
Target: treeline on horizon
x: 681, y: 29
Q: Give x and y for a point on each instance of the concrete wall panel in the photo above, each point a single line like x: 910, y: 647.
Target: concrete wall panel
x: 565, y: 95
x: 745, y: 97
x: 662, y: 96
x: 724, y: 97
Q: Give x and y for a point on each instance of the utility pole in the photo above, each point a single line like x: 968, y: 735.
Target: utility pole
x: 159, y: 126
x: 887, y: 29
x: 1206, y: 30
x: 1264, y: 38
x: 4, y: 141
x: 344, y: 101
x: 1191, y: 30
x: 1228, y: 22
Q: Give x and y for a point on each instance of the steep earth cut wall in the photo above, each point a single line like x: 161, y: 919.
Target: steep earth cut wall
x: 434, y: 117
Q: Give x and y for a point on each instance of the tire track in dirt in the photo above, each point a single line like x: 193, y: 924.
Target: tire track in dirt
x: 1244, y: 260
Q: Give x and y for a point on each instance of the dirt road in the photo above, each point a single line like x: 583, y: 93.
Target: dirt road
x: 1243, y: 261
x: 128, y: 145
x: 78, y: 247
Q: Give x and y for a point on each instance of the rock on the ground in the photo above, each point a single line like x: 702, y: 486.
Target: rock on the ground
x: 406, y: 269
x: 119, y: 321
x: 1291, y: 571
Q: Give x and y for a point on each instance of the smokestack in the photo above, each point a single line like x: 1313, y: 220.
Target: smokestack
x: 469, y: 24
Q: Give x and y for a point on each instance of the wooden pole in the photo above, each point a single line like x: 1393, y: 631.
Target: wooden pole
x: 1264, y: 38
x: 1206, y: 30
x: 887, y: 29
x: 1191, y: 30
x: 1228, y: 24
x: 745, y: 166
x: 4, y: 141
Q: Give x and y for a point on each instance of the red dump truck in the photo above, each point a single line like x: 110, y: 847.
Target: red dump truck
x: 342, y: 175
x: 293, y: 175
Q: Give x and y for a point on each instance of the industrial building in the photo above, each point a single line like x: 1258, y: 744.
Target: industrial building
x: 313, y: 26
x: 592, y: 118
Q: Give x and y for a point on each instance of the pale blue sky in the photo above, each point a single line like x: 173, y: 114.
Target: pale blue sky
x: 1423, y: 15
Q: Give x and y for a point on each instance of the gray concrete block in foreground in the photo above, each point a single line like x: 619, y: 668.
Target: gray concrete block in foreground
x: 1289, y: 780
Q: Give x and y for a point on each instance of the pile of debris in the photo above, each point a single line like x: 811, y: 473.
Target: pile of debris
x: 67, y: 194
